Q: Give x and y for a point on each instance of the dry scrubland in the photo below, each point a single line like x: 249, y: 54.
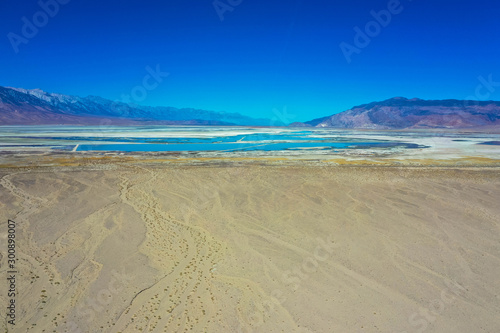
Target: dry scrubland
x: 150, y: 248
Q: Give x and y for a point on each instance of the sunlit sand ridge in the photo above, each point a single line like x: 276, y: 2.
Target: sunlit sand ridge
x: 157, y: 248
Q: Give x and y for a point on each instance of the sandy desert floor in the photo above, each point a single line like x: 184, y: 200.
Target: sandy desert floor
x: 253, y: 248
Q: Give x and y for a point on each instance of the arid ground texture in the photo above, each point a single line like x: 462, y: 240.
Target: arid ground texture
x: 138, y: 247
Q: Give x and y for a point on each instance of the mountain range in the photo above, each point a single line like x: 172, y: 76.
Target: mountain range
x: 36, y: 107
x: 403, y: 113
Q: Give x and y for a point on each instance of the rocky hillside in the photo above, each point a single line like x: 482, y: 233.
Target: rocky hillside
x: 36, y: 107
x: 403, y: 113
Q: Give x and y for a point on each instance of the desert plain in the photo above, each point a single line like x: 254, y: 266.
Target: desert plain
x: 252, y: 246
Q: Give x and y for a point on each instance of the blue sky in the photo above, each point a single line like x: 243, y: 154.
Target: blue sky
x: 263, y: 55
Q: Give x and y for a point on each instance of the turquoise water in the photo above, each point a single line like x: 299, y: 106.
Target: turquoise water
x: 193, y: 147
x: 185, y: 139
x: 491, y: 143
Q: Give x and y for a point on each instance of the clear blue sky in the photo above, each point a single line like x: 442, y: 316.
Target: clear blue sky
x: 264, y: 55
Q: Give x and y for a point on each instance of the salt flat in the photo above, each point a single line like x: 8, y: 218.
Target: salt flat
x: 246, y: 247
x: 210, y: 142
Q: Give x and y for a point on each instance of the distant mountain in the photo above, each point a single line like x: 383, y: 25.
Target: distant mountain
x: 36, y: 107
x: 403, y: 113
